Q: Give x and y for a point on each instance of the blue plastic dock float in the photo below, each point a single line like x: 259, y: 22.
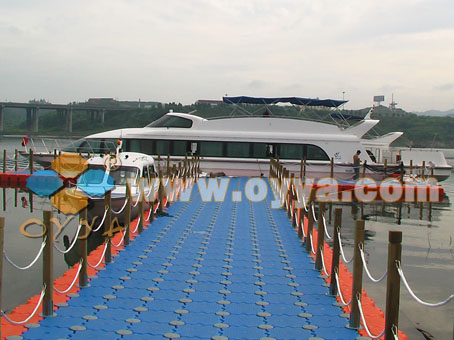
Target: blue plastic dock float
x: 209, y: 270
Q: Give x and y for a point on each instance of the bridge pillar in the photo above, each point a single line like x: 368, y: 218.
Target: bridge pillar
x: 29, y: 119
x: 2, y: 116
x: 69, y: 120
x: 35, y: 119
x: 102, y: 116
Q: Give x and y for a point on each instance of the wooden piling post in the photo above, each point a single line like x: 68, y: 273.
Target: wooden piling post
x: 48, y: 281
x: 336, y: 249
x: 31, y: 162
x: 423, y: 172
x: 320, y: 236
x: 331, y: 172
x: 393, y: 283
x: 411, y: 166
x: 128, y: 216
x: 304, y: 167
x: 83, y: 276
x: 2, y: 228
x: 355, y: 317
x: 4, y: 160
x: 15, y: 169
x: 161, y: 193
x: 140, y: 227
x: 108, y: 227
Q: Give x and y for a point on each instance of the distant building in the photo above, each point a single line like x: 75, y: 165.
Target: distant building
x: 209, y: 102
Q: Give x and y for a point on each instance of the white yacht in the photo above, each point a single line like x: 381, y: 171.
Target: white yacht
x: 242, y: 145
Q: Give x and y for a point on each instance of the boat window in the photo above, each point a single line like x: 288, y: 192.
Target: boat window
x: 260, y: 150
x: 121, y: 175
x: 171, y: 121
x: 152, y: 171
x: 179, y: 148
x: 145, y: 173
x: 291, y: 151
x: 211, y: 149
x: 163, y: 147
x: 147, y: 146
x: 372, y: 156
x: 237, y: 150
x: 316, y: 153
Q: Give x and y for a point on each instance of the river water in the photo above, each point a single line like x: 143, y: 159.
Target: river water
x: 427, y: 252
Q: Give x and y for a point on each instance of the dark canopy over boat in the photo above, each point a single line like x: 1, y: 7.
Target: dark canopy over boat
x: 290, y: 100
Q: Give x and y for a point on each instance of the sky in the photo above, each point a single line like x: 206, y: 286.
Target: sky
x: 185, y: 50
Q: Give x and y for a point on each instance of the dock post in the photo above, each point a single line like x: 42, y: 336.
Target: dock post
x: 336, y: 248
x: 331, y: 172
x: 127, y: 215
x: 355, y: 317
x: 161, y: 193
x: 290, y: 198
x: 423, y: 168
x: 31, y: 161
x: 108, y: 226
x: 2, y: 228
x: 83, y: 276
x: 411, y: 166
x: 140, y: 227
x: 393, y: 283
x: 320, y: 236
x: 48, y: 281
x: 4, y: 160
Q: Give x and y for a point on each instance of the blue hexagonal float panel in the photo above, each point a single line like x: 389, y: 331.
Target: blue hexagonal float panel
x: 95, y: 183
x: 44, y: 182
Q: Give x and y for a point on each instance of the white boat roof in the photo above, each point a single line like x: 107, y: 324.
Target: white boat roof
x: 260, y: 129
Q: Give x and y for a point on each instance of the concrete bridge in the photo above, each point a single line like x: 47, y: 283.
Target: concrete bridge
x: 33, y: 109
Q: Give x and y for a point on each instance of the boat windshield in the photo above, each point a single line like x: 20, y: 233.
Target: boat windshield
x: 171, y: 122
x: 95, y: 146
x: 119, y: 175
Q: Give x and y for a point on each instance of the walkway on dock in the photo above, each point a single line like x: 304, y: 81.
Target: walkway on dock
x: 209, y: 270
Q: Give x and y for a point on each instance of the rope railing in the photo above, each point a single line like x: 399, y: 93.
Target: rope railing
x: 149, y: 213
x: 137, y: 225
x: 72, y: 283
x: 122, y: 239
x: 341, y: 248
x: 323, y: 262
x: 339, y: 291
x: 72, y: 244
x: 326, y: 229
x: 106, y: 209
x: 43, y: 244
x: 363, y: 259
x: 369, y: 334
x: 122, y: 208
x: 312, y: 244
x: 427, y: 304
x: 313, y: 214
x: 138, y: 199
x: 100, y: 260
x: 40, y: 300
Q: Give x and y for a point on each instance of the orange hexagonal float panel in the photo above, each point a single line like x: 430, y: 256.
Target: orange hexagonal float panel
x: 69, y: 201
x: 69, y: 164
